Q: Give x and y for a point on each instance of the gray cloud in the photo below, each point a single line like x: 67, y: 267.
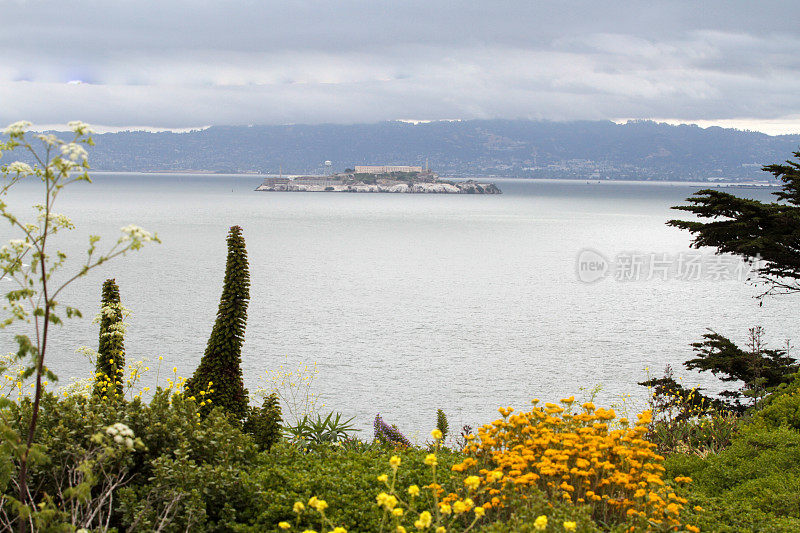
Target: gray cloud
x: 191, y: 63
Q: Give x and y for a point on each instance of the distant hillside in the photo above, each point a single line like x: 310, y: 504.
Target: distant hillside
x: 582, y: 150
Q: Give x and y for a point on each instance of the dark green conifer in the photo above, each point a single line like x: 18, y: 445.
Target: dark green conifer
x: 766, y: 234
x: 110, y: 365
x: 219, y: 376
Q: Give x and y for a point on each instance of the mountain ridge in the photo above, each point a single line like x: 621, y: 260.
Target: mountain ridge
x: 491, y: 148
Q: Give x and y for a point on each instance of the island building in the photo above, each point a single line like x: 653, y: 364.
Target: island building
x: 323, y: 181
x: 385, y: 169
x: 337, y: 180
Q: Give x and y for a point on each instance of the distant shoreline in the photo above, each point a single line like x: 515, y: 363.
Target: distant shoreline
x: 709, y: 184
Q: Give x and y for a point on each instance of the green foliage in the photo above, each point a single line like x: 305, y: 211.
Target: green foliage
x: 346, y: 479
x: 186, y: 471
x: 219, y: 376
x: 671, y: 401
x: 760, y: 368
x: 707, y: 434
x: 441, y: 423
x: 30, y: 262
x: 110, y: 364
x: 754, y: 484
x: 685, y: 420
x: 319, y: 431
x: 263, y: 423
x: 753, y: 229
x: 782, y: 408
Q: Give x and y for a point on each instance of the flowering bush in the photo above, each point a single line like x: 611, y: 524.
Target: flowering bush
x: 573, y: 457
x: 388, y: 434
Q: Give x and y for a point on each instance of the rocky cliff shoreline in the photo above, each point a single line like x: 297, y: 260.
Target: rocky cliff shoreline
x: 438, y: 187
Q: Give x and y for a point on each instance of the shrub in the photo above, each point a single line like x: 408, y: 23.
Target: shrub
x: 218, y: 379
x: 345, y: 479
x: 110, y: 364
x: 178, y: 446
x: 754, y: 484
x: 707, y: 434
x: 782, y: 408
x: 574, y: 458
x: 264, y: 423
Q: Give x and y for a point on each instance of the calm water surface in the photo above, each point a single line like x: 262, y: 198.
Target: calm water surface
x: 406, y: 303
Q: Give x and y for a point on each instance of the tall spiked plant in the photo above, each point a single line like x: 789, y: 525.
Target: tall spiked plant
x: 218, y: 379
x: 110, y: 365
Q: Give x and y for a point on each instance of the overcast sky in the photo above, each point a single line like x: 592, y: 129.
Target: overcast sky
x: 183, y: 64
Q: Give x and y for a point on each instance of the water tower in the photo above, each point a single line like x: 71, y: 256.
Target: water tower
x: 328, y: 168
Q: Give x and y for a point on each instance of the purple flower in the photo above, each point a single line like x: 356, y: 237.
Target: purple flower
x: 388, y: 434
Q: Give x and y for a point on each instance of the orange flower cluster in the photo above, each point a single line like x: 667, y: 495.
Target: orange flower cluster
x: 575, y: 457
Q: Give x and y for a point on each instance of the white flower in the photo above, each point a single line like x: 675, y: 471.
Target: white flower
x: 120, y: 432
x: 17, y: 128
x: 74, y: 152
x: 19, y: 245
x: 136, y: 233
x: 20, y: 168
x: 49, y: 139
x: 81, y: 128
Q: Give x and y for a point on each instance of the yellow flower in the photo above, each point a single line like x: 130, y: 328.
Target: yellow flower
x: 570, y: 526
x: 431, y: 459
x: 309, y: 531
x: 445, y: 508
x: 413, y: 490
x: 394, y: 462
x: 383, y: 478
x: 321, y: 505
x: 401, y: 529
x: 436, y: 434
x: 460, y: 507
x: 386, y: 500
x: 424, y: 521
x: 540, y: 524
x: 339, y: 530
x: 299, y: 507
x: 441, y: 529
x: 479, y: 511
x: 284, y: 525
x: 472, y: 482
x: 397, y: 512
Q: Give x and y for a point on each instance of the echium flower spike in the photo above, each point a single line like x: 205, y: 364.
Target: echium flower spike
x: 111, y: 352
x: 388, y: 434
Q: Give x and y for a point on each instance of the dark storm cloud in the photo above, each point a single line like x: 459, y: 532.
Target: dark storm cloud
x: 178, y: 64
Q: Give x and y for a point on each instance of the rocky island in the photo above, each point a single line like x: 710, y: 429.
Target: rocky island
x: 391, y: 179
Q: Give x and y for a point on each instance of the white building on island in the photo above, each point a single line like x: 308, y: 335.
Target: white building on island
x: 385, y: 169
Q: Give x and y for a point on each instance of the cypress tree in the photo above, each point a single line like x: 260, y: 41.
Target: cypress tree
x: 111, y: 352
x: 218, y: 379
x: 768, y: 233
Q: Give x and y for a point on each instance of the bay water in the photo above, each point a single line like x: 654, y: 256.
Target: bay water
x: 408, y: 303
